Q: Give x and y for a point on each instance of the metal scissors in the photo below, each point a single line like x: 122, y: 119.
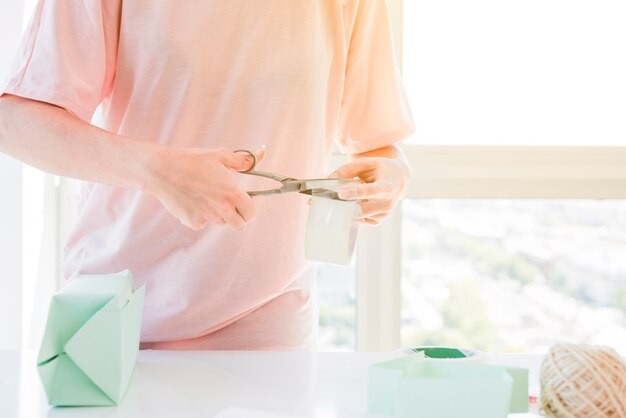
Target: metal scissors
x: 324, y: 187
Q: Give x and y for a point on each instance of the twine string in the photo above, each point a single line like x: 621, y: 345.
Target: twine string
x: 582, y: 381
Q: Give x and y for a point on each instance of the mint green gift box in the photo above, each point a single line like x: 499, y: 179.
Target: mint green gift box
x: 414, y: 387
x: 87, y: 356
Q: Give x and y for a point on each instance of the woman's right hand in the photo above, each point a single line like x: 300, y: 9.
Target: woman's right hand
x: 198, y: 186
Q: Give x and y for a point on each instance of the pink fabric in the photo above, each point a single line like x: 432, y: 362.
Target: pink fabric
x: 294, y: 75
x: 293, y: 320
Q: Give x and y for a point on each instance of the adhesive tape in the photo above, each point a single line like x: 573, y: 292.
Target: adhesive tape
x: 444, y: 353
x: 331, y: 230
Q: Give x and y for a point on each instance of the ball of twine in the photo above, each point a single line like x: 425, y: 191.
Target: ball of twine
x: 582, y: 381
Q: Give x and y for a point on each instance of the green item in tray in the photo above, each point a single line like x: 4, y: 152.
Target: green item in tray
x: 442, y: 352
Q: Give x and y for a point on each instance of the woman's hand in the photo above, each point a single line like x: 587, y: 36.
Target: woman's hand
x: 198, y: 186
x: 385, y: 185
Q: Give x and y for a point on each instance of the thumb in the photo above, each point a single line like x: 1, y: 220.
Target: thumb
x: 242, y: 161
x: 357, y: 168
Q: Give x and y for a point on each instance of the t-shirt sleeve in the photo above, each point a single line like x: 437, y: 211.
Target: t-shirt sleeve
x: 68, y: 55
x: 374, y: 110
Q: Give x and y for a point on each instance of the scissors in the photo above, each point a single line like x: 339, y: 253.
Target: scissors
x: 324, y: 187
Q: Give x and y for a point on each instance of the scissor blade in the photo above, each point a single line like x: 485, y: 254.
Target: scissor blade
x: 289, y: 186
x: 327, y: 188
x: 329, y: 184
x: 265, y: 192
x: 325, y: 193
x: 273, y: 176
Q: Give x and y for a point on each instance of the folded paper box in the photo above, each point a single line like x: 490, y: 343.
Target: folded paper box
x: 90, y: 344
x: 414, y: 387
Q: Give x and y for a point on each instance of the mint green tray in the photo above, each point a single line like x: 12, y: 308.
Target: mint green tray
x: 414, y: 387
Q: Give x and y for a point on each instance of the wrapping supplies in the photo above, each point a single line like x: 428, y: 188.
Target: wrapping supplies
x: 415, y: 387
x: 90, y: 344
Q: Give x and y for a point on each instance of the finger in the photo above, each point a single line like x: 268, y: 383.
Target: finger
x: 361, y: 167
x: 380, y: 217
x: 186, y: 223
x: 234, y: 219
x: 245, y: 207
x: 193, y: 222
x: 260, y: 153
x: 242, y: 161
x: 377, y: 189
x: 371, y: 207
x: 373, y: 222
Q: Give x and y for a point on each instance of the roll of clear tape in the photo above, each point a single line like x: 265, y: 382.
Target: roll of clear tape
x: 439, y: 353
x: 331, y: 230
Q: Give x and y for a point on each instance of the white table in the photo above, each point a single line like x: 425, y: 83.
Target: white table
x: 224, y: 384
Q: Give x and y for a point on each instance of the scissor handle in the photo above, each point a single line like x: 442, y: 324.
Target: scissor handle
x: 250, y: 153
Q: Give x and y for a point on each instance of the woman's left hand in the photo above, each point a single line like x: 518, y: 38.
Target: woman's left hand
x: 385, y: 182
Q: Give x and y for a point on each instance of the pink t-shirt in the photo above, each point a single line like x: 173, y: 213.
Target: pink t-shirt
x: 294, y: 75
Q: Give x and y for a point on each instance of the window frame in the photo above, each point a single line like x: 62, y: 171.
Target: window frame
x: 378, y: 300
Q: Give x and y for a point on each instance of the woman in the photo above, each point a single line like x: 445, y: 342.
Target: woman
x: 182, y: 85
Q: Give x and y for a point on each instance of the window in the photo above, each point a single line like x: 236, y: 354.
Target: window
x: 514, y: 275
x: 337, y: 310
x: 34, y: 214
x: 11, y: 207
x: 508, y: 241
